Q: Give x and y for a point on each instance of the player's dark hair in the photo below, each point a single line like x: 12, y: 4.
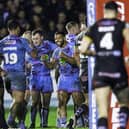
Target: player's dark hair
x: 61, y: 33
x: 70, y: 24
x: 12, y: 24
x: 111, y: 5
x: 38, y: 31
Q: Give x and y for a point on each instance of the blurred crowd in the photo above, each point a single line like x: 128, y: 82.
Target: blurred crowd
x: 50, y: 15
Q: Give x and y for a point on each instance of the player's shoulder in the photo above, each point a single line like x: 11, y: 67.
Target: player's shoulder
x: 4, y: 39
x: 70, y: 37
x: 23, y: 39
x: 49, y: 43
x: 108, y: 21
x: 57, y: 49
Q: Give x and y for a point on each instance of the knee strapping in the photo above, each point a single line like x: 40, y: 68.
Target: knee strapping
x: 83, y: 109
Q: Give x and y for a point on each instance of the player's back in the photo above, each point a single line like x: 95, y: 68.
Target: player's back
x: 13, y: 49
x: 107, y: 35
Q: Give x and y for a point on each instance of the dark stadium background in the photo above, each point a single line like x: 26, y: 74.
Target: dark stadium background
x: 50, y: 15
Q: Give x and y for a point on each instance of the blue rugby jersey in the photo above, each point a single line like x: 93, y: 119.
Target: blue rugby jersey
x: 71, y: 39
x: 64, y: 67
x: 14, y: 48
x: 46, y: 48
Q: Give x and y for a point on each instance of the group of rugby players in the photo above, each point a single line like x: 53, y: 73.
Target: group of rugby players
x: 26, y: 64
x: 37, y: 57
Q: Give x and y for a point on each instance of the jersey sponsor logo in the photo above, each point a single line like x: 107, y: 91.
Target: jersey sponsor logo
x: 106, y: 29
x: 107, y: 23
x: 116, y: 53
x: 9, y: 48
x: 111, y: 75
x: 10, y: 42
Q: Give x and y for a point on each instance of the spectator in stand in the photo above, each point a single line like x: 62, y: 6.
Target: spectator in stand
x: 21, y: 16
x: 51, y: 30
x: 36, y: 22
x: 61, y: 17
x: 46, y: 11
x: 3, y: 32
x: 60, y: 27
x: 81, y: 17
x: 69, y: 9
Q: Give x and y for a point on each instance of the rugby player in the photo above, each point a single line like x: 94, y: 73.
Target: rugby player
x: 73, y: 37
x: 108, y: 36
x: 68, y: 81
x: 40, y: 79
x: 13, y: 49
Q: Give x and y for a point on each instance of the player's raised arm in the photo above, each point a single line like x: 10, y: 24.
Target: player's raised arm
x: 84, y: 45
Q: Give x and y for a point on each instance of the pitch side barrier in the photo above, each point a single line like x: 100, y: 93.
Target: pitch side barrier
x: 95, y: 12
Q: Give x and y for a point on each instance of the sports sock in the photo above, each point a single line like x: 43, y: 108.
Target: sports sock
x: 33, y: 114
x: 40, y: 114
x: 62, y: 122
x: 58, y: 122
x: 22, y: 115
x: 3, y: 123
x: 11, y: 122
x: 82, y: 109
x: 102, y: 123
x: 123, y: 117
x: 44, y: 113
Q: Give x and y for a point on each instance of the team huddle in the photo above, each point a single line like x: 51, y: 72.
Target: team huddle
x: 26, y: 63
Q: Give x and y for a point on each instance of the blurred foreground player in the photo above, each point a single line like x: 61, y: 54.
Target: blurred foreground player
x: 13, y: 48
x: 3, y: 123
x: 108, y: 36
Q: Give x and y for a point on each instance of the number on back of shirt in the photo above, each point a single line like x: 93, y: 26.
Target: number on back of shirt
x: 10, y: 58
x: 106, y: 41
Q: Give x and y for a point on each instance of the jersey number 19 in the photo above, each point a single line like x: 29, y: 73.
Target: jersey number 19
x: 10, y: 58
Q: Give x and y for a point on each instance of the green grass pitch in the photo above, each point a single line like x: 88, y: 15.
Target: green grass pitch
x: 51, y: 119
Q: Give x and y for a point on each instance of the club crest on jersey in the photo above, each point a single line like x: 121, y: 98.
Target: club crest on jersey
x: 106, y: 28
